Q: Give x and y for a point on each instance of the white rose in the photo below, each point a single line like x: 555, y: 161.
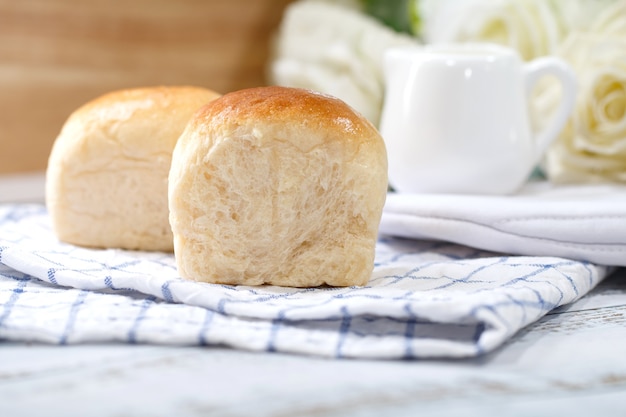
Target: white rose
x: 611, y: 20
x: 592, y: 147
x: 576, y: 15
x: 532, y: 27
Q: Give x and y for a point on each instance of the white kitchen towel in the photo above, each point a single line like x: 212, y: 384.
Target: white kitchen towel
x: 425, y: 299
x: 583, y: 222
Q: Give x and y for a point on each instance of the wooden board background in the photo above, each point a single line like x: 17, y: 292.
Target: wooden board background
x: 57, y: 54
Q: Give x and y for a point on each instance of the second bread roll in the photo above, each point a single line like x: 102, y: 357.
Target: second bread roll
x: 276, y: 185
x: 106, y: 183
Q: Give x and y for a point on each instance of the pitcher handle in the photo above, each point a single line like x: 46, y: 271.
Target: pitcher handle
x: 535, y: 70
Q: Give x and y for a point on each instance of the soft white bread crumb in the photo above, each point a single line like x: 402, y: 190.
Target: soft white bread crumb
x: 106, y: 183
x: 276, y: 185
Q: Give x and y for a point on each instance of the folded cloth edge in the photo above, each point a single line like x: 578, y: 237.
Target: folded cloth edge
x: 487, y: 237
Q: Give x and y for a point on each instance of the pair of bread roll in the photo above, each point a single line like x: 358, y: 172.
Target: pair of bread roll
x: 270, y: 185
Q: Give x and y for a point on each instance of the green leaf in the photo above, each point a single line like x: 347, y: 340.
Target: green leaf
x: 400, y: 15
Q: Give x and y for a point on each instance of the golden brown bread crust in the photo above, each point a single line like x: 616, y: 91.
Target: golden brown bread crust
x: 106, y: 184
x: 279, y: 105
x: 277, y: 185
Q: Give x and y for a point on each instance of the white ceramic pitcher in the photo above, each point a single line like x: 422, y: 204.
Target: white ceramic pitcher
x: 455, y: 117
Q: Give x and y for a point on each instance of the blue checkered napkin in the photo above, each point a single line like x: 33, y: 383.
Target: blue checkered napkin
x: 425, y: 299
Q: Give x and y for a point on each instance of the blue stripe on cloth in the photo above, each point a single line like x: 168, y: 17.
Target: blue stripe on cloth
x: 480, y: 328
x: 204, y: 329
x: 276, y: 323
x: 52, y: 276
x: 15, y: 294
x: 344, y: 329
x: 587, y: 266
x: 108, y: 281
x: 71, y: 319
x: 221, y: 306
x: 466, y: 278
x: 574, y: 287
x: 409, y: 335
x: 167, y: 293
x: 540, y: 269
x: 271, y: 340
x: 145, y: 305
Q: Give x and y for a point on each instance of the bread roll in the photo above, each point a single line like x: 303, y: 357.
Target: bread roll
x: 106, y: 183
x: 277, y: 185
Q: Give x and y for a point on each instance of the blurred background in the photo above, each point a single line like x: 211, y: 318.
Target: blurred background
x: 56, y: 55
